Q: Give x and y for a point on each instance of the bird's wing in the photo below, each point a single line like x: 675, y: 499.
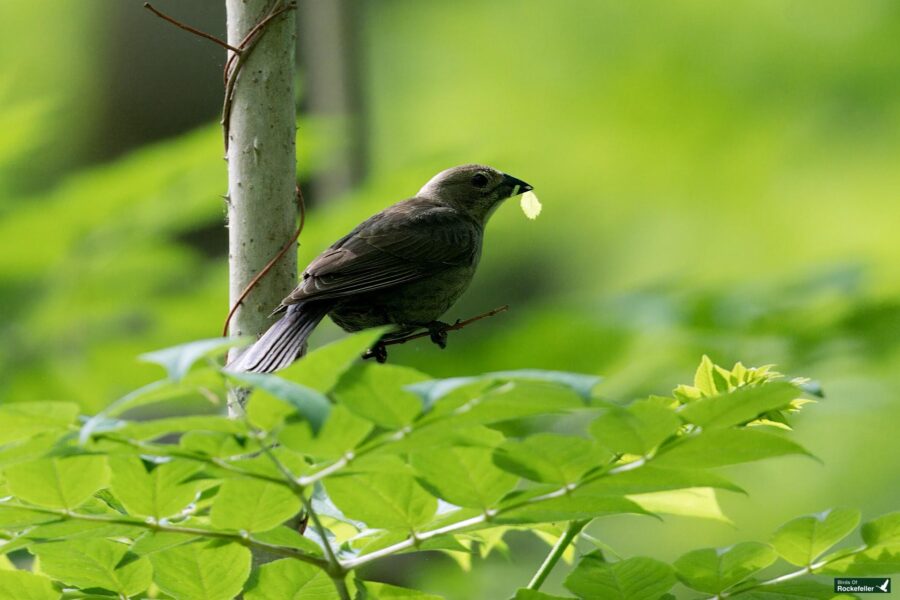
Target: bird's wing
x: 403, y: 243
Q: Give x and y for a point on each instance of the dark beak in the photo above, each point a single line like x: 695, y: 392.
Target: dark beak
x: 512, y: 182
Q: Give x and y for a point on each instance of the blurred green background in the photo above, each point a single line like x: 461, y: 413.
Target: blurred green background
x: 717, y: 178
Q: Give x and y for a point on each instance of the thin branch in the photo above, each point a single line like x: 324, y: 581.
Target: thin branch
x: 155, y: 526
x: 190, y: 29
x: 807, y: 570
x: 416, y: 538
x: 262, y: 273
x: 559, y: 548
x: 455, y: 327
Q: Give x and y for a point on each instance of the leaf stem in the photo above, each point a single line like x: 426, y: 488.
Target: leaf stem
x: 153, y: 526
x: 555, y: 554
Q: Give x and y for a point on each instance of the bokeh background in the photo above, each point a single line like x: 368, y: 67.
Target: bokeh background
x: 717, y: 177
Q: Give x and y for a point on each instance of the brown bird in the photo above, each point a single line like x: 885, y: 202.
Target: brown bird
x: 404, y: 266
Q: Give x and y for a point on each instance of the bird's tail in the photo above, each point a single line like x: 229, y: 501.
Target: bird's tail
x: 283, y: 343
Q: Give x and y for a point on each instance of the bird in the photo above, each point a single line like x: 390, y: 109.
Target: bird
x: 404, y: 266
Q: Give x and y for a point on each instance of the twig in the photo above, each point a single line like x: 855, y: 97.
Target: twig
x: 559, y: 548
x: 190, y: 29
x: 455, y: 327
x: 270, y: 264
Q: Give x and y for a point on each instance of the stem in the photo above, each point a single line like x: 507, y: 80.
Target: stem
x: 207, y: 533
x: 555, y: 554
x: 807, y: 570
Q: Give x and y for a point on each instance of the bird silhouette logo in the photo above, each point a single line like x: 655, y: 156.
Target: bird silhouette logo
x: 884, y: 586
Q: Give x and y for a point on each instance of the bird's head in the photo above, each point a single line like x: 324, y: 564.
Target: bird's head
x: 475, y: 189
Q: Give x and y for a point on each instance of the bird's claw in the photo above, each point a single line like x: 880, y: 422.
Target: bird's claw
x: 378, y: 352
x: 438, y: 333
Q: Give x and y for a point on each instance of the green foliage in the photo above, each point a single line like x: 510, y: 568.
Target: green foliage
x: 377, y: 461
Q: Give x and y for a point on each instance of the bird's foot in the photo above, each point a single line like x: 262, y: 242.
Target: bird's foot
x: 438, y: 332
x: 378, y: 352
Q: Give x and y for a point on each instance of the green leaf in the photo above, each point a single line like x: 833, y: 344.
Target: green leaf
x: 463, y: 475
x: 803, y: 540
x: 308, y: 402
x: 22, y: 585
x: 197, y: 571
x: 712, y: 570
x: 386, y: 496
x: 550, y: 457
x: 153, y: 490
x: 342, y: 432
x: 77, y: 529
x: 740, y: 406
x: 58, y: 482
x: 13, y: 518
x: 252, y: 505
x: 883, y: 531
x: 93, y: 563
x: 577, y: 505
x: 433, y: 390
x: 793, y: 590
x: 23, y: 420
x: 321, y: 368
x: 719, y: 447
x: 691, y: 502
x: 638, y: 578
x: 178, y: 360
x: 384, y: 591
x: 881, y: 556
x: 289, y: 579
x: 513, y: 400
x: 377, y: 393
x: 289, y: 538
x: 637, y: 429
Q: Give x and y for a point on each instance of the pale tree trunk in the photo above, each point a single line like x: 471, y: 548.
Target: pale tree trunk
x: 261, y: 156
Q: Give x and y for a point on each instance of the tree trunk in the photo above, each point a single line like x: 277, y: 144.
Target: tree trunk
x: 262, y: 165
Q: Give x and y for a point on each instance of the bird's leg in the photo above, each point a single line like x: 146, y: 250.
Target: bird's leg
x: 438, y: 332
x: 378, y: 352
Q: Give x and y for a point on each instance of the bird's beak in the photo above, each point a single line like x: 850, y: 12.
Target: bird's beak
x: 512, y: 182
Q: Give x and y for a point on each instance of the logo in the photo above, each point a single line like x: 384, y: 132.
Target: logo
x: 863, y: 585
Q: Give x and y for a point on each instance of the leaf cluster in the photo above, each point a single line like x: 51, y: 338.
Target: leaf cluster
x: 333, y: 464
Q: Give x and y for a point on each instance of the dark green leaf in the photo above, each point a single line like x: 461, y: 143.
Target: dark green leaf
x: 178, y: 360
x: 22, y: 585
x: 158, y: 492
x: 551, y: 457
x: 384, y: 591
x: 464, y: 475
x: 386, y: 496
x: 638, y: 578
x: 252, y: 505
x: 377, y: 393
x: 58, y: 482
x: 637, y: 429
x: 289, y: 579
x: 712, y: 570
x: 321, y: 368
x: 719, y: 447
x: 94, y: 563
x: 23, y: 420
x: 308, y: 402
x: 198, y: 571
x: 803, y: 540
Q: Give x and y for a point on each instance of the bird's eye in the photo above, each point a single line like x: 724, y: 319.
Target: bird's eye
x: 479, y: 180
